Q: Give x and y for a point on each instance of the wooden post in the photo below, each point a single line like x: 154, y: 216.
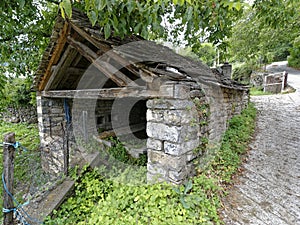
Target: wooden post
x: 8, y: 173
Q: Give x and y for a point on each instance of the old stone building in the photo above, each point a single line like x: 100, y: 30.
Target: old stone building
x: 88, y: 86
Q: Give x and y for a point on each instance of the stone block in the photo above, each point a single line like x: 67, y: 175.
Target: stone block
x: 181, y: 91
x: 180, y: 149
x: 169, y: 104
x: 164, y: 132
x: 173, y: 117
x: 168, y: 161
x: 157, y: 104
x: 157, y: 169
x: 166, y: 90
x: 177, y: 176
x: 57, y: 110
x: 154, y: 144
x: 155, y: 115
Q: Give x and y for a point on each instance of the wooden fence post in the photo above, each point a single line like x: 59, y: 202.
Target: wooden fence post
x: 8, y: 173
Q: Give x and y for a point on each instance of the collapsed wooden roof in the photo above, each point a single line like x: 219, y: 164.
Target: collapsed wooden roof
x: 77, y: 48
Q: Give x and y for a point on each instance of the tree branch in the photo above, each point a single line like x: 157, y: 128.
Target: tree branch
x: 53, y: 1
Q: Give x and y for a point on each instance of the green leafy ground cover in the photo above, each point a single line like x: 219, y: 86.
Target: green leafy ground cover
x: 98, y: 200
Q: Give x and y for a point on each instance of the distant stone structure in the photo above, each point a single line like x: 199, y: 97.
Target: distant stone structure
x: 21, y: 114
x: 275, y: 83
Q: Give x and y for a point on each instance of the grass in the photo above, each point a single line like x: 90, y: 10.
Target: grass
x: 99, y: 200
x: 28, y: 175
x: 257, y: 91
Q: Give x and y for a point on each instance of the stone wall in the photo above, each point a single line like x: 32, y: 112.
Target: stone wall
x: 179, y: 128
x: 179, y: 125
x: 51, y: 118
x: 224, y: 104
x: 25, y: 114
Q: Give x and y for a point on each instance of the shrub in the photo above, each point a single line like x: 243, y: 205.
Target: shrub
x: 294, y: 58
x: 242, y: 74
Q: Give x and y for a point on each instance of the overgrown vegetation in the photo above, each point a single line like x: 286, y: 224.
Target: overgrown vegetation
x: 28, y: 173
x: 257, y: 91
x: 98, y: 200
x: 294, y: 58
x: 16, y: 92
x: 242, y: 73
x: 120, y: 153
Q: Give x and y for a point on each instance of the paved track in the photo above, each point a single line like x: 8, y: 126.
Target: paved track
x: 268, y: 192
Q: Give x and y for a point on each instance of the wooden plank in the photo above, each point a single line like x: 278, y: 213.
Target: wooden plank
x: 55, y: 56
x: 58, y: 72
x: 110, y: 93
x: 108, y: 70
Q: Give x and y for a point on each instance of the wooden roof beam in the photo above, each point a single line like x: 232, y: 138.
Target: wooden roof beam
x: 107, y: 69
x: 108, y: 93
x: 105, y: 49
x: 58, y: 74
x: 55, y: 56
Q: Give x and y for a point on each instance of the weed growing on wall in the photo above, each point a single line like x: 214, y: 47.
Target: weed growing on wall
x: 99, y: 200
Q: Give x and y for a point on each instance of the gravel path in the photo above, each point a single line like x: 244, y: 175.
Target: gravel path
x: 268, y: 192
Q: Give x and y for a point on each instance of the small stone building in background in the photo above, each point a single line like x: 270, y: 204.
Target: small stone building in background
x: 88, y: 86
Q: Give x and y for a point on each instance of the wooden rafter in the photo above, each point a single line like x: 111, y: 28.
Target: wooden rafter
x: 109, y: 93
x: 57, y: 75
x: 55, y: 56
x: 107, y: 69
x: 105, y: 49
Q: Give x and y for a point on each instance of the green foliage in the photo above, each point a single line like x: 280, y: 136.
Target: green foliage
x: 119, y: 152
x: 257, y: 91
x: 234, y: 143
x: 28, y: 172
x: 155, y: 19
x: 265, y: 32
x: 294, y: 58
x: 98, y: 200
x: 25, y: 29
x: 242, y: 73
x: 206, y: 52
x: 17, y: 92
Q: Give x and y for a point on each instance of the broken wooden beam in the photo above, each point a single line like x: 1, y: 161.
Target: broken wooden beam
x: 107, y: 69
x: 109, y: 93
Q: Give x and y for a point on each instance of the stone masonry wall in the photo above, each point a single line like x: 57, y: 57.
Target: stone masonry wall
x: 179, y: 125
x: 174, y: 133
x: 178, y: 128
x: 51, y: 119
x: 26, y: 114
x: 225, y: 103
x: 87, y: 117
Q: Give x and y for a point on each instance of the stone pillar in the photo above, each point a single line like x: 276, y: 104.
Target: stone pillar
x: 51, y: 121
x: 172, y: 129
x: 226, y: 70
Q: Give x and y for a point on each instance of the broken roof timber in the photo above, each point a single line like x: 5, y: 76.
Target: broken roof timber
x: 105, y: 94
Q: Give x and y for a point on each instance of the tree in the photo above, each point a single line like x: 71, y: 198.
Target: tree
x: 266, y: 32
x: 26, y: 27
x: 294, y: 58
x: 191, y: 19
